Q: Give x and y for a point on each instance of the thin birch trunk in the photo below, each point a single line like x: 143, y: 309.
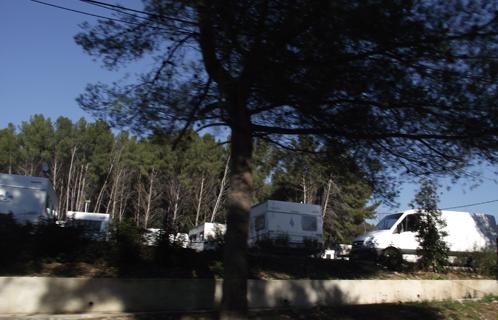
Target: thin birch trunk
x: 139, y: 201
x: 199, y: 203
x: 122, y: 204
x: 115, y: 194
x: 69, y: 178
x: 175, y: 207
x: 80, y: 180
x: 222, y: 190
x: 81, y: 192
x: 304, y: 189
x: 327, y: 196
x: 149, y: 199
x: 75, y: 190
x: 10, y: 162
x: 54, y: 173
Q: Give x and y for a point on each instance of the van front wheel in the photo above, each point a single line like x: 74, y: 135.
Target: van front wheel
x: 391, y: 258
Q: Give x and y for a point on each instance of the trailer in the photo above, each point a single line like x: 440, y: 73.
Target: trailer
x: 152, y: 237
x: 94, y: 225
x: 28, y: 199
x: 206, y: 236
x: 287, y: 225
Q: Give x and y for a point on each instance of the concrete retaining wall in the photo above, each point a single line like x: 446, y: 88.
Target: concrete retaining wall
x: 28, y: 295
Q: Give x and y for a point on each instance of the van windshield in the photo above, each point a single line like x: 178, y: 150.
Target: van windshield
x: 388, y: 221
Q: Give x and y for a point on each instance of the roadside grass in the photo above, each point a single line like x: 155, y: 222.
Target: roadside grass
x: 485, y: 309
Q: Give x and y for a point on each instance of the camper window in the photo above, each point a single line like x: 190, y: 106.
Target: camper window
x: 308, y: 223
x: 89, y: 225
x: 259, y: 222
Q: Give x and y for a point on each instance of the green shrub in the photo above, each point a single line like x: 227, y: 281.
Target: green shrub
x: 50, y: 240
x: 433, y: 250
x: 484, y: 262
x: 126, y: 242
x: 14, y: 240
x: 312, y: 245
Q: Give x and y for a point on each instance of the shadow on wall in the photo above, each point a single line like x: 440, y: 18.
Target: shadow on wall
x: 296, y: 294
x: 312, y: 299
x: 315, y: 299
x: 76, y: 295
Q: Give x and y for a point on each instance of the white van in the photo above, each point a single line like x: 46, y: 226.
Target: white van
x: 286, y: 224
x: 28, y: 199
x: 396, y: 234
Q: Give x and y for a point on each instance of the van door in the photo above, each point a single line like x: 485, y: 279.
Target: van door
x: 405, y: 234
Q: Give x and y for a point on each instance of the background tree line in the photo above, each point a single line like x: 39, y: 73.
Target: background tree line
x: 159, y: 179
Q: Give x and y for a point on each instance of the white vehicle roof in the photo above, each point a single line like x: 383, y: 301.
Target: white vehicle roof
x: 208, y: 227
x: 78, y: 215
x: 288, y: 207
x: 18, y: 181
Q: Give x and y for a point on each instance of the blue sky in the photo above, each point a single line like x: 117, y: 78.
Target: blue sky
x: 42, y: 70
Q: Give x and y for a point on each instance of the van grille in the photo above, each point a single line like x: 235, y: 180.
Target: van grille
x: 357, y: 243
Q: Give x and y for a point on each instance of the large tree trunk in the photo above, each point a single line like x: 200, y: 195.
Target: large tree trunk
x: 234, y: 303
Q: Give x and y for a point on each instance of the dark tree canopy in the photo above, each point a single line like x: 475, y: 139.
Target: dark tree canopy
x: 411, y: 82
x: 409, y: 85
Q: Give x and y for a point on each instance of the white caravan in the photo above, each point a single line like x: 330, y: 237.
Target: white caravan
x: 396, y: 234
x: 28, y: 199
x: 204, y: 236
x: 286, y: 224
x: 95, y: 225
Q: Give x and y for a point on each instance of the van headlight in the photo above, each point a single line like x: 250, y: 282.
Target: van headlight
x: 369, y: 243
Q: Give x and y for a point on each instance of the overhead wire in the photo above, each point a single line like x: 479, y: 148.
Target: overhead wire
x: 470, y: 205
x: 81, y: 12
x: 453, y: 207
x: 119, y: 8
x: 109, y: 18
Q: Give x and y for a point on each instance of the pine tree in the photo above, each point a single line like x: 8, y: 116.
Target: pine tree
x: 433, y: 250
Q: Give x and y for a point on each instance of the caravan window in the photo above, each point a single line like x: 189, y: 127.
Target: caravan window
x: 309, y: 223
x: 259, y: 222
x: 89, y: 225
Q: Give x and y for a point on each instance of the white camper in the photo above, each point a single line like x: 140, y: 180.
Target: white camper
x: 288, y: 224
x: 28, y: 199
x: 204, y: 236
x: 95, y: 225
x: 396, y: 234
